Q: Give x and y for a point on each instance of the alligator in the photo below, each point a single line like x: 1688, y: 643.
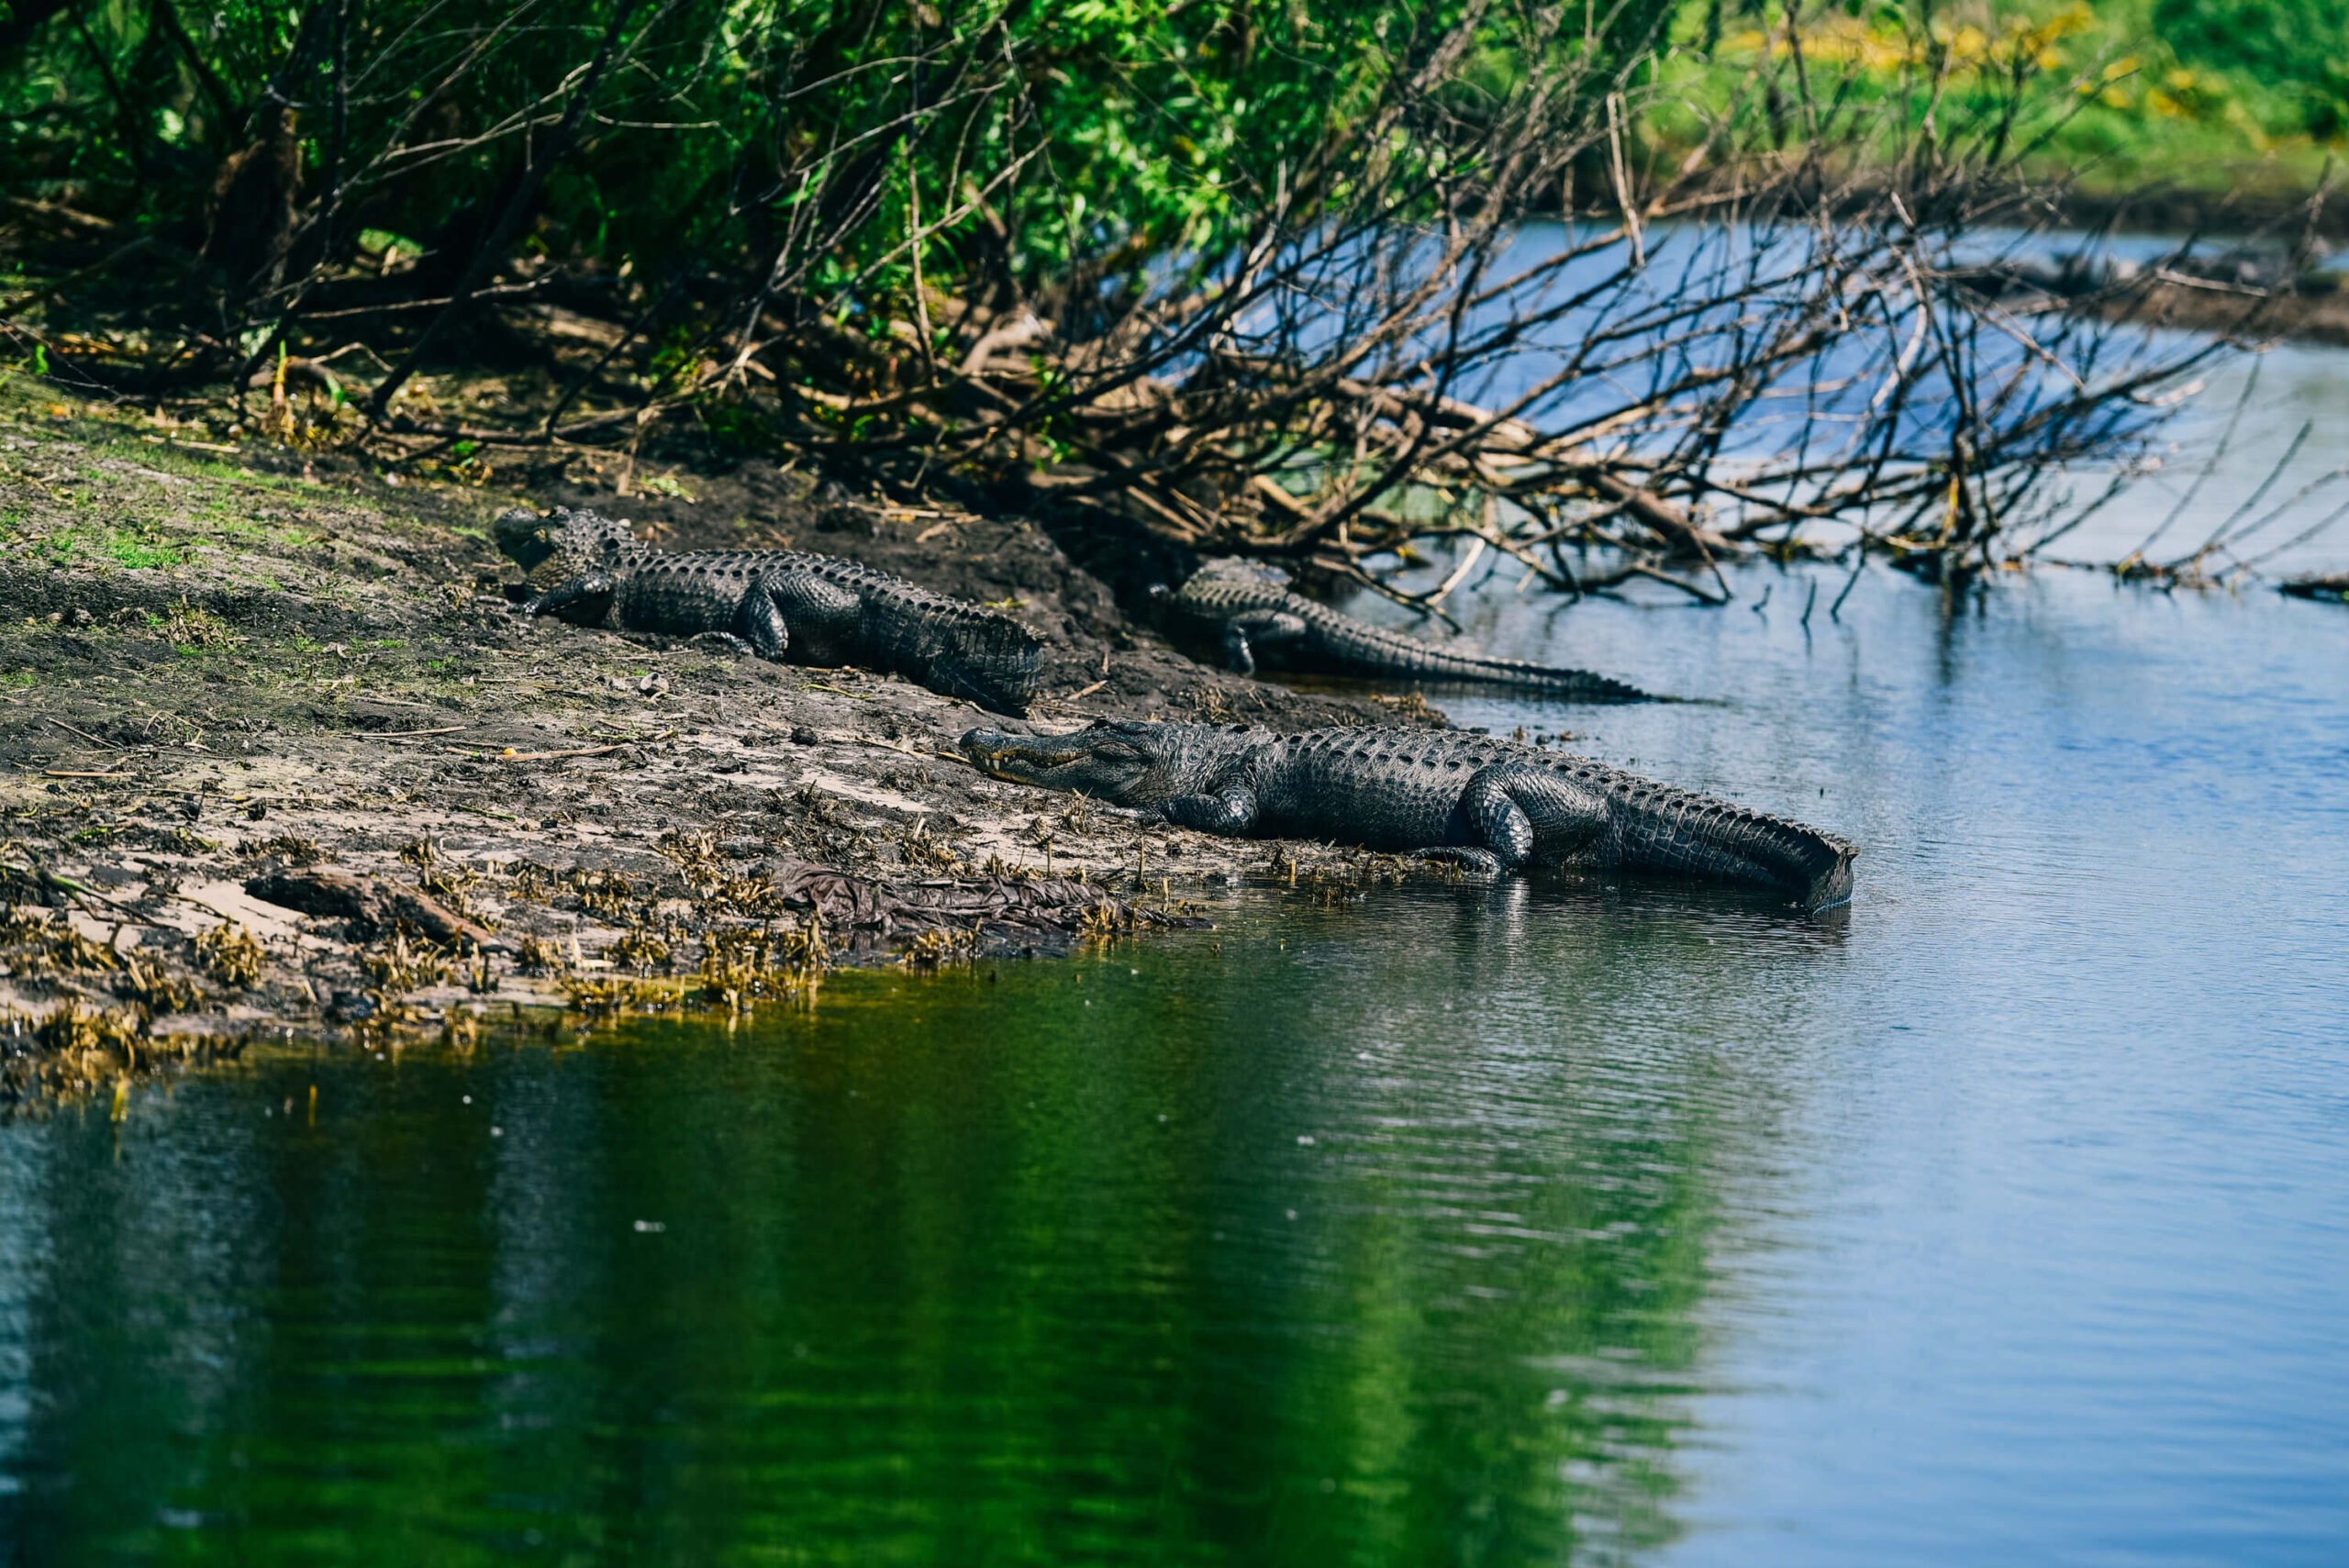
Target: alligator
x: 782, y: 604
x: 1480, y: 803
x: 1248, y: 611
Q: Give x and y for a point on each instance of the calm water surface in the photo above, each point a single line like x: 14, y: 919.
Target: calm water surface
x: 2004, y: 1219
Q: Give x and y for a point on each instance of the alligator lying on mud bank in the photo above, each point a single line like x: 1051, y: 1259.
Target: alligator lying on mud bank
x: 1247, y: 616
x: 1482, y: 803
x: 782, y: 605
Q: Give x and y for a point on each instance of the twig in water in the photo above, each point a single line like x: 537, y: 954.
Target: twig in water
x: 1859, y: 561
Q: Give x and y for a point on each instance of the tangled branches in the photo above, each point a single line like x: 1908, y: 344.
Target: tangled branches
x: 1311, y: 282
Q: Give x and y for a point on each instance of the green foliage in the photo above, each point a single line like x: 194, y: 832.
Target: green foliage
x: 2298, y: 49
x: 737, y: 137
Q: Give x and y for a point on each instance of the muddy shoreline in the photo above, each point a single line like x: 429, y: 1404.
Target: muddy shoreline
x: 229, y: 674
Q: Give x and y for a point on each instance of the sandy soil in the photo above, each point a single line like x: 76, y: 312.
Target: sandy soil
x: 223, y: 672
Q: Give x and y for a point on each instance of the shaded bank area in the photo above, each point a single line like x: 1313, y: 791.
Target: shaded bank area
x: 281, y: 756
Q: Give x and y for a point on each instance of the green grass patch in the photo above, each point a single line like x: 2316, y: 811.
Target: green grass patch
x: 129, y: 548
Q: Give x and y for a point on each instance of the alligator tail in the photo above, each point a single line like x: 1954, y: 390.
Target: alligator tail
x: 1676, y: 830
x: 1581, y: 686
x: 1440, y: 664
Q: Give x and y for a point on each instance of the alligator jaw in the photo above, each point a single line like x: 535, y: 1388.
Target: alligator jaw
x: 1106, y: 762
x: 1021, y: 757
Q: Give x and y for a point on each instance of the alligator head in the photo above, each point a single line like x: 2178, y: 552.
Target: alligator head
x: 1120, y: 761
x: 560, y: 544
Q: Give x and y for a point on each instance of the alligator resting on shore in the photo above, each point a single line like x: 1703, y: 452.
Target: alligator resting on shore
x: 1482, y: 803
x: 1246, y: 612
x: 782, y: 604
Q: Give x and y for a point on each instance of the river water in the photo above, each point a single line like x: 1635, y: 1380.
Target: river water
x: 2002, y: 1218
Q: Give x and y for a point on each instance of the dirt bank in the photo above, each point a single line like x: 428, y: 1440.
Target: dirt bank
x: 226, y: 674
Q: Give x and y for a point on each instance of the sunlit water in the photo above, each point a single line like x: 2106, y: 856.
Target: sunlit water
x: 2004, y: 1218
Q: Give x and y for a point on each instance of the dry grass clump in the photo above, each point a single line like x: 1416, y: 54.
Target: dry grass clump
x: 695, y: 856
x: 811, y: 803
x: 157, y: 990
x: 925, y: 851
x: 79, y: 1049
x: 619, y: 993
x: 286, y: 846
x: 230, y: 953
x: 188, y: 627
x: 640, y: 949
x: 743, y: 964
x: 935, y: 949
x: 54, y: 945
x: 606, y: 894
x: 532, y: 882
x: 443, y: 878
x: 400, y: 968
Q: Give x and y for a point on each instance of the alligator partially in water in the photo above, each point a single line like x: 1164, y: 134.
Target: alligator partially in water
x: 1482, y: 803
x: 1247, y: 614
x: 782, y: 604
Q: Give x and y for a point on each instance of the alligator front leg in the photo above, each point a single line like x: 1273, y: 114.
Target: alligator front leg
x: 720, y: 642
x: 1232, y: 811
x: 583, y: 601
x: 1243, y: 631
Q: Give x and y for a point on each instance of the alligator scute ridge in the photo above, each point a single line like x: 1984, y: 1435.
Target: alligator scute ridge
x: 1484, y: 803
x: 782, y: 605
x: 1248, y: 612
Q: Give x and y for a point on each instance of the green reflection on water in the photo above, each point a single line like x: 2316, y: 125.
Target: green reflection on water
x: 1032, y: 1264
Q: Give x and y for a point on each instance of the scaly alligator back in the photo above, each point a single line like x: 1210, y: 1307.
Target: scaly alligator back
x: 1401, y: 789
